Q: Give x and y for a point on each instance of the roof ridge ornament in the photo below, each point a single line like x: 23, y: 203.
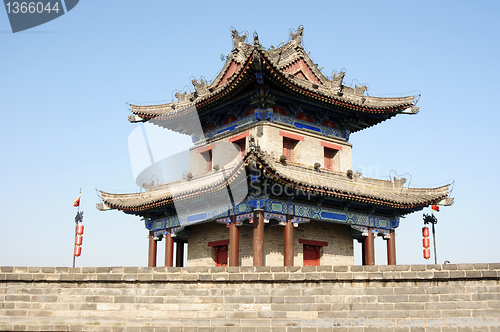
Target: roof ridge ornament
x: 256, y: 39
x: 297, y: 37
x: 336, y: 82
x: 181, y: 97
x: 237, y: 39
x: 201, y: 88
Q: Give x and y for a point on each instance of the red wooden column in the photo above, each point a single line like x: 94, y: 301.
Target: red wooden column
x: 391, y: 249
x: 288, y: 241
x: 369, y: 248
x: 234, y: 243
x: 152, y: 250
x: 258, y: 238
x: 179, y: 257
x: 169, y: 250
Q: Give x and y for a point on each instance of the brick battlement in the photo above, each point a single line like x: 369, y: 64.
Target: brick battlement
x: 247, y: 299
x: 251, y: 273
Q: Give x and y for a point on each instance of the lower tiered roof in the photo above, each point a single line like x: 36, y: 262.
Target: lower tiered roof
x: 347, y: 187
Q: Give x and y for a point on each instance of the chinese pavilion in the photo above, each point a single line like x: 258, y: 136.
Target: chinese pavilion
x: 270, y: 179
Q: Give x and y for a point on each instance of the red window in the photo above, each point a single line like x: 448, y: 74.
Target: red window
x: 242, y: 145
x: 208, y: 157
x: 329, y: 155
x: 221, y: 255
x: 311, y: 255
x: 240, y: 141
x: 288, y: 146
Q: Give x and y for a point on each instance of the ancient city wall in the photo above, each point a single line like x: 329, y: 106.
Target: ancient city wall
x: 418, y: 297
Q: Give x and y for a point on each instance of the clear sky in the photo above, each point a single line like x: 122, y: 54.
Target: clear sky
x: 64, y: 87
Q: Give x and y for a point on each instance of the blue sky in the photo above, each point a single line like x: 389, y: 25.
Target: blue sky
x: 64, y: 87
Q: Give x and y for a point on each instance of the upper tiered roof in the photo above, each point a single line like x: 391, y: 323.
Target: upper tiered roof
x: 287, y: 70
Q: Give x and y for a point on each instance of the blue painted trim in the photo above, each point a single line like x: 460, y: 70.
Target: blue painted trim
x: 269, y: 115
x: 250, y: 119
x: 299, y: 124
x: 278, y: 207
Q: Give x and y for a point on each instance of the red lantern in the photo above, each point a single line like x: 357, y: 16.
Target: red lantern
x: 426, y: 242
x: 427, y: 253
x: 78, y: 251
x: 425, y: 231
x: 79, y: 229
x: 79, y: 240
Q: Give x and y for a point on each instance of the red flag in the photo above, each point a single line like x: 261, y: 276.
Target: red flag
x: 77, y: 202
x: 435, y: 208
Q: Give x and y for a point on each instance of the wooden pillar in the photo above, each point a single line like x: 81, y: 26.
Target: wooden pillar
x: 234, y: 243
x: 258, y: 238
x: 179, y: 257
x: 369, y: 248
x: 391, y: 249
x: 152, y: 250
x: 288, y: 241
x: 169, y: 250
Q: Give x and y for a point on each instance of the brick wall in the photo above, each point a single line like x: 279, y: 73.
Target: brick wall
x: 308, y: 151
x: 199, y: 253
x: 339, y: 251
x: 227, y: 299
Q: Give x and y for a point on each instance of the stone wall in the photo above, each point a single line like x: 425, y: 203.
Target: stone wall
x: 198, y: 252
x: 251, y: 299
x: 308, y: 151
x: 339, y: 251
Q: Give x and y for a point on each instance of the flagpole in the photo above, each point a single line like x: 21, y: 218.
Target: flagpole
x: 76, y: 225
x: 434, y: 240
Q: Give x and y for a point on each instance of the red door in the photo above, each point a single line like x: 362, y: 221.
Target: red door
x: 288, y: 145
x: 221, y: 256
x: 329, y: 154
x: 311, y: 255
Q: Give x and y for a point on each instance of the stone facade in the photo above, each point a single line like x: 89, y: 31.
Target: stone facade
x: 199, y: 253
x: 339, y: 251
x: 251, y: 299
x: 267, y: 134
x: 306, y: 152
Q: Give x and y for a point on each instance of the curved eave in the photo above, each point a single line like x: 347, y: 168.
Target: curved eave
x: 363, y: 199
x: 350, y: 190
x: 154, y: 199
